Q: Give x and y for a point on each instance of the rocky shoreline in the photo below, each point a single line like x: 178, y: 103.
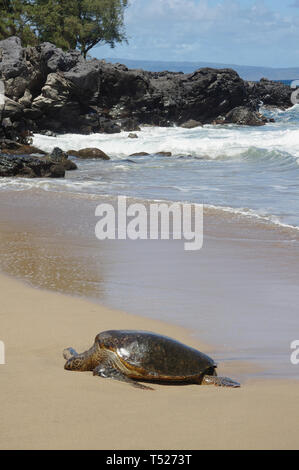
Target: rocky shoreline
x: 50, y: 91
x: 29, y: 162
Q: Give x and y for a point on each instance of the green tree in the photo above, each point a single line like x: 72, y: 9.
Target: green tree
x: 5, y: 19
x: 81, y: 24
x: 69, y: 24
x: 15, y: 21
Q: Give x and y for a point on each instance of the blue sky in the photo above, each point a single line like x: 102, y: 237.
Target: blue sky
x: 245, y: 32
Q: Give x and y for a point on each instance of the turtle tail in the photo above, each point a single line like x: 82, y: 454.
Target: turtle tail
x: 219, y: 381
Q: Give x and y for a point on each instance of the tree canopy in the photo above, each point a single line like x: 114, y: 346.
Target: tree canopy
x: 14, y: 21
x: 69, y: 24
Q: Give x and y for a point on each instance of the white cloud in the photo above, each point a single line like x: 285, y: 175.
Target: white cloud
x: 236, y: 31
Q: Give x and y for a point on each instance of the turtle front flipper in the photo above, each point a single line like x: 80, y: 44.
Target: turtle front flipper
x: 69, y: 353
x: 110, y: 372
x: 219, y: 381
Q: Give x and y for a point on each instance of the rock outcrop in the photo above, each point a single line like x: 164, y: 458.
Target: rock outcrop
x: 270, y: 93
x: 30, y: 167
x: 10, y: 147
x: 48, y: 90
x: 27, y: 161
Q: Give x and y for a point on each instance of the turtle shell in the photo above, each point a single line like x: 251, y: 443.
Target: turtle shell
x: 156, y: 357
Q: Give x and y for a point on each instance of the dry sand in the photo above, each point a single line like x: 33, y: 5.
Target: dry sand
x: 45, y: 407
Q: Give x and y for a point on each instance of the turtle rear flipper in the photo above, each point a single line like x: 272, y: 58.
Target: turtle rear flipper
x: 219, y: 381
x: 109, y: 372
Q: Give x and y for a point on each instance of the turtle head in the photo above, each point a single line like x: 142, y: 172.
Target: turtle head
x: 75, y: 363
x: 86, y: 361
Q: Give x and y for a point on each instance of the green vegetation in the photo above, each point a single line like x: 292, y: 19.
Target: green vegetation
x: 14, y: 21
x: 69, y: 24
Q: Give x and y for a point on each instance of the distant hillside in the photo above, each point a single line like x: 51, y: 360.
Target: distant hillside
x: 246, y: 72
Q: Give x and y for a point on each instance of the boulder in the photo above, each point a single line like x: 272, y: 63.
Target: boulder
x: 12, y: 58
x: 89, y: 153
x: 55, y: 92
x: 139, y: 154
x: 164, y: 154
x: 12, y: 109
x: 107, y: 126
x: 29, y: 167
x: 20, y: 68
x: 26, y: 99
x: 191, y: 124
x: 55, y: 59
x: 58, y: 155
x: 245, y: 117
x: 61, y: 158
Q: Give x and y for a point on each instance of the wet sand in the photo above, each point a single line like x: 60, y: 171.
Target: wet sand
x: 45, y: 407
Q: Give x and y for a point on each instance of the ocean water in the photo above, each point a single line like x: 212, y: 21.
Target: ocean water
x: 246, y: 72
x: 285, y: 82
x: 249, y: 170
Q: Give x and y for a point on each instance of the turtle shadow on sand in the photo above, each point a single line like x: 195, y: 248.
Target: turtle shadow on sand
x: 134, y: 356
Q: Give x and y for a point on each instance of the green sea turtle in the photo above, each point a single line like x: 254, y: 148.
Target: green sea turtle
x: 133, y: 356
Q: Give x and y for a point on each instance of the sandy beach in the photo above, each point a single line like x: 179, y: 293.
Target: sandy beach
x: 45, y: 407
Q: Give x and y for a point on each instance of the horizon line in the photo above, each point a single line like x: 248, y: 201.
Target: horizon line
x: 203, y: 61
